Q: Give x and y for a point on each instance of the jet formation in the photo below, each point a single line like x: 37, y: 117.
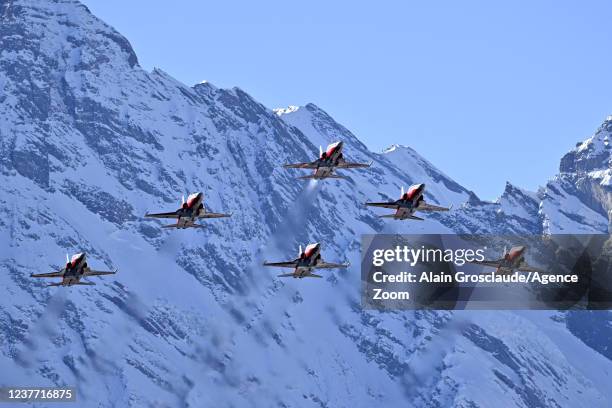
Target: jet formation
x: 192, y: 210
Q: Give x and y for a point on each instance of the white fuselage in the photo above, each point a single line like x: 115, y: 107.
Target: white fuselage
x: 511, y: 260
x: 408, y: 203
x: 190, y: 211
x: 328, y: 161
x: 307, y: 261
x: 74, y: 270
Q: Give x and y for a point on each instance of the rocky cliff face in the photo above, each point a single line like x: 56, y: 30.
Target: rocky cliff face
x: 89, y: 142
x: 584, y: 180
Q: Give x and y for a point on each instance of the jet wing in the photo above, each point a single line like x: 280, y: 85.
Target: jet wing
x: 351, y: 165
x: 391, y: 205
x: 402, y: 216
x: 327, y: 265
x: 287, y: 264
x: 91, y: 272
x: 428, y: 207
x: 526, y: 268
x: 315, y: 177
x: 163, y: 215
x: 291, y: 275
x: 492, y: 264
x: 214, y: 215
x: 312, y: 165
x: 58, y: 274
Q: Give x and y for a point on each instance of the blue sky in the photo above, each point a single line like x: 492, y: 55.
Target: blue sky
x: 488, y: 91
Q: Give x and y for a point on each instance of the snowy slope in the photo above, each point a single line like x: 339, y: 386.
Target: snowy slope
x: 580, y: 197
x: 89, y: 142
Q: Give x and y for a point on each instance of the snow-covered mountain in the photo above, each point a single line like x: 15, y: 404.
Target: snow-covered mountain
x: 89, y: 141
x: 580, y: 197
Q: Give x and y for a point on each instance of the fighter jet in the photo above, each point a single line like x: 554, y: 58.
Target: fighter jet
x: 511, y: 261
x: 306, y: 261
x: 190, y: 211
x: 75, y: 269
x: 328, y: 161
x: 409, y: 202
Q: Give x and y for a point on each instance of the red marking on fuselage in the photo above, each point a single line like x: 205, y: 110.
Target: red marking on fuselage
x: 309, y: 250
x: 514, y: 253
x: 75, y: 260
x: 332, y: 148
x: 192, y: 199
x: 413, y: 191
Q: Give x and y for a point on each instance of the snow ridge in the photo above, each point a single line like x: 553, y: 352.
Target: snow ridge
x: 89, y: 142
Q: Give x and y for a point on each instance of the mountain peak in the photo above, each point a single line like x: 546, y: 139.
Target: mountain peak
x: 397, y: 148
x: 285, y: 111
x: 512, y: 190
x: 313, y: 120
x: 64, y: 29
x: 392, y: 148
x: 308, y: 108
x: 518, y: 201
x: 592, y: 154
